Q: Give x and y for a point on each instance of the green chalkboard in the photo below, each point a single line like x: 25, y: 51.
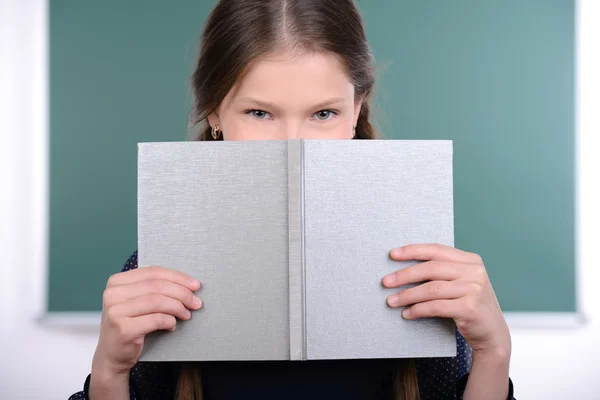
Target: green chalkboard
x: 497, y: 77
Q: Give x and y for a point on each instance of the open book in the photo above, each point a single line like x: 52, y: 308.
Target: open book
x: 291, y: 240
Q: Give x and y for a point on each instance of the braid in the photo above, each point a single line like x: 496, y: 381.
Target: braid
x: 364, y: 129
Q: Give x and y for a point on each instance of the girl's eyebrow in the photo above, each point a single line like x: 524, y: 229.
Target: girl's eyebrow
x: 272, y: 106
x: 259, y: 103
x: 328, y: 103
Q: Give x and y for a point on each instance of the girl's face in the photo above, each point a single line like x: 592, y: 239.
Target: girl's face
x: 290, y: 96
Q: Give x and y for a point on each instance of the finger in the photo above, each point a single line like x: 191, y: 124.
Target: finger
x: 435, y: 290
x: 145, y: 273
x: 145, y: 324
x: 433, y: 308
x: 121, y: 293
x: 425, y: 252
x: 150, y: 304
x: 426, y: 271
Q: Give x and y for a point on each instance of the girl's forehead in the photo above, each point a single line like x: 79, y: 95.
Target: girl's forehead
x: 293, y: 77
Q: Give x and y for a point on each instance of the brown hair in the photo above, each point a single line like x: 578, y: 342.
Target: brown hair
x: 236, y: 33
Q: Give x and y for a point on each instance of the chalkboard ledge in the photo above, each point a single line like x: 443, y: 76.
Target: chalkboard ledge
x: 71, y: 319
x: 518, y: 319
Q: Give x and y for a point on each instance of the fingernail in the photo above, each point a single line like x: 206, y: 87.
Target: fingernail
x: 197, y: 302
x: 188, y: 314
x: 392, y: 300
x: 195, y: 283
x: 173, y: 328
x: 389, y: 279
x: 406, y: 313
x: 396, y: 252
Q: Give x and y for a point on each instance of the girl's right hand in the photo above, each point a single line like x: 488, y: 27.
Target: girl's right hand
x: 135, y: 303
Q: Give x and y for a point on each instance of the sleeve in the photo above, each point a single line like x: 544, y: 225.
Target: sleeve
x: 147, y: 380
x: 446, y: 378
x: 84, y: 394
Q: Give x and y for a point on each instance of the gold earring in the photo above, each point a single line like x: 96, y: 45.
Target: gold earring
x: 216, y: 132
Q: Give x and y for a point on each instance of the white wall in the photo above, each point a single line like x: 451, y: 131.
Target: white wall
x: 564, y: 363
x: 50, y: 363
x: 35, y: 363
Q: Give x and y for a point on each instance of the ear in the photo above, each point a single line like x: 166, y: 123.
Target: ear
x: 357, y: 107
x: 213, y: 119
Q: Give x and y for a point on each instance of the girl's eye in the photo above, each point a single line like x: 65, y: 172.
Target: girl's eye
x: 324, y: 115
x: 259, y: 114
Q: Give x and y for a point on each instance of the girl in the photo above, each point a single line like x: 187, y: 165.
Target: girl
x: 289, y: 69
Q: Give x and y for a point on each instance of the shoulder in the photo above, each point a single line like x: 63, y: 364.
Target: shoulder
x: 154, y: 380
x: 131, y: 263
x: 439, y: 377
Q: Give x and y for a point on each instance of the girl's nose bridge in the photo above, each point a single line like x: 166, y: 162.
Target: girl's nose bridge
x: 291, y: 129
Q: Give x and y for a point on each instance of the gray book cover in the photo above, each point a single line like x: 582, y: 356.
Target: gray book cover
x: 290, y: 240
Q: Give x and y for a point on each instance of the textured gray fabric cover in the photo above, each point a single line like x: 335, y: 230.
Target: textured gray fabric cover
x: 290, y: 240
x: 219, y: 212
x: 363, y: 198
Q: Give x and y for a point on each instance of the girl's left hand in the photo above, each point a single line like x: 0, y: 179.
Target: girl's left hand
x: 456, y: 286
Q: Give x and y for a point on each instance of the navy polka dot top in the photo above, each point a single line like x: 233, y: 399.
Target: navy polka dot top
x: 438, y: 378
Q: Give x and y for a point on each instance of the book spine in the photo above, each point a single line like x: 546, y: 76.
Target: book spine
x: 296, y: 250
